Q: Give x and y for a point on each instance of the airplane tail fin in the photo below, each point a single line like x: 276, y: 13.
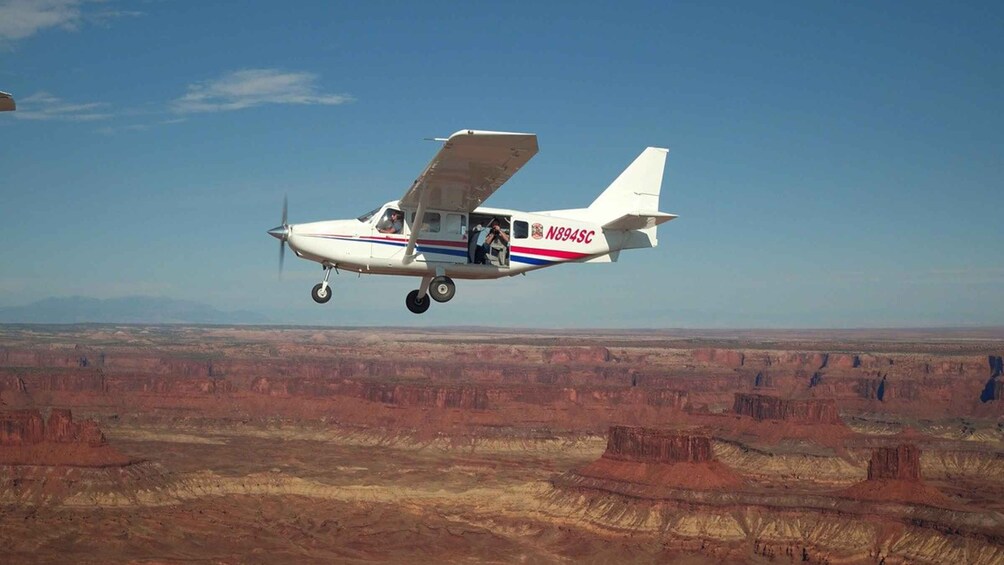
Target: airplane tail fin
x: 631, y: 203
x: 637, y: 188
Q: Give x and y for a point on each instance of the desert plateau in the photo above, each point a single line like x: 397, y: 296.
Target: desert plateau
x: 141, y: 444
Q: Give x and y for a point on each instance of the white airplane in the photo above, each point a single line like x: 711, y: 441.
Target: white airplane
x: 438, y: 231
x: 6, y: 102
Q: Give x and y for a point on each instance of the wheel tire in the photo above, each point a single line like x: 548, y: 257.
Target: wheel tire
x: 416, y: 306
x: 320, y: 293
x: 442, y: 289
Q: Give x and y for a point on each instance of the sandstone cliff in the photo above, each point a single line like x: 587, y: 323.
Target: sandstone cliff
x: 806, y: 411
x: 661, y: 459
x: 26, y: 438
x: 596, y: 354
x: 900, y: 463
x: 27, y: 427
x: 657, y: 446
x: 894, y: 476
x: 726, y: 357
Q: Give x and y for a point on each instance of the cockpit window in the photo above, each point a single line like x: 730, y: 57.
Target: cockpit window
x: 391, y: 222
x: 366, y: 217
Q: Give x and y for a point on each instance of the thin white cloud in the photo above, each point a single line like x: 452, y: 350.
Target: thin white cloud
x: 20, y: 19
x: 254, y: 87
x: 111, y: 130
x: 45, y: 106
x: 23, y: 18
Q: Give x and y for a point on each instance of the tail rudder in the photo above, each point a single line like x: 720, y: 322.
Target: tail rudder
x: 628, y: 209
x: 634, y: 190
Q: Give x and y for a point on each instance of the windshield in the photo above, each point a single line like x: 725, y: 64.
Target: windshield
x: 366, y: 217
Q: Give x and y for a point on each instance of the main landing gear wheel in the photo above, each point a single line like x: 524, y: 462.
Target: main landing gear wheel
x: 442, y: 289
x: 415, y: 305
x: 321, y: 293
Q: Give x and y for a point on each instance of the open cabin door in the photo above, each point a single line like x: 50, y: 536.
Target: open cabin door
x: 490, y: 251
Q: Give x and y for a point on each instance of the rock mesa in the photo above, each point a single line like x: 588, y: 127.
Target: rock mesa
x: 659, y: 458
x: 26, y: 438
x: 894, y: 476
x: 807, y: 411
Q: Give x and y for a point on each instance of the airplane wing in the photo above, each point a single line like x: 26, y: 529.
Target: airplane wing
x: 469, y: 168
x: 6, y: 102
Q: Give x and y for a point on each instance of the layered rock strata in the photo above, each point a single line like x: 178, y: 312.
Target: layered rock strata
x: 26, y: 438
x: 901, y: 463
x: 662, y: 459
x: 806, y: 411
x: 656, y: 446
x: 894, y: 476
x: 28, y: 427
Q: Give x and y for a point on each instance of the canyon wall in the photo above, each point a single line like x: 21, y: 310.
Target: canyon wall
x: 28, y: 427
x: 659, y: 446
x: 899, y: 463
x: 27, y: 438
x: 807, y: 411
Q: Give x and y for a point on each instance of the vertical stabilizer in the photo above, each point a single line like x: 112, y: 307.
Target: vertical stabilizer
x: 636, y: 189
x: 628, y: 210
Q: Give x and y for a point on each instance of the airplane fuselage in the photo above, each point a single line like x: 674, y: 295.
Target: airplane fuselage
x: 537, y: 240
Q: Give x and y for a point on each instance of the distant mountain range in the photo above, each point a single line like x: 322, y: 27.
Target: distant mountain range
x: 127, y: 310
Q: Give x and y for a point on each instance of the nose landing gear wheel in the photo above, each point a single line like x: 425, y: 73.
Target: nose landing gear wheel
x: 442, y: 289
x: 415, y: 305
x: 321, y: 293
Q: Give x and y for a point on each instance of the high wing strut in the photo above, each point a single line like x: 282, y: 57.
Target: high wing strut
x: 409, y: 250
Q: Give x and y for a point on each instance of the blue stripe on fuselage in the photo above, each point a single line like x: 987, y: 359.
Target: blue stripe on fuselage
x: 440, y: 251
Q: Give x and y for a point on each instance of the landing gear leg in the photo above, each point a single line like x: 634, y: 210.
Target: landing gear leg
x: 418, y: 300
x: 321, y: 292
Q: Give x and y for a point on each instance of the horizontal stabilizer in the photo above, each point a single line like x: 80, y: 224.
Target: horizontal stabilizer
x: 638, y: 221
x: 606, y: 258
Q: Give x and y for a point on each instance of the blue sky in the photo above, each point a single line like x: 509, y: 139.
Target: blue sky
x: 834, y: 164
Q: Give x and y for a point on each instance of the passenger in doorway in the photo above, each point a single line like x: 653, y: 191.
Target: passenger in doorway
x: 497, y: 245
x: 391, y: 222
x: 478, y: 242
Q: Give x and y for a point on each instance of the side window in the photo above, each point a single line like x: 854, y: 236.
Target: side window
x: 430, y: 222
x: 456, y: 224
x: 520, y: 229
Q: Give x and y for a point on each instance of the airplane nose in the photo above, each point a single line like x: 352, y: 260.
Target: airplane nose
x: 280, y: 232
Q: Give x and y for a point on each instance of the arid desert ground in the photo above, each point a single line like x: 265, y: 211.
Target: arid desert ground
x: 166, y: 444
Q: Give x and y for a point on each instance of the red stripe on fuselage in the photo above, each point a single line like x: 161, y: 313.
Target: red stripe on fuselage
x: 549, y: 252
x: 444, y: 243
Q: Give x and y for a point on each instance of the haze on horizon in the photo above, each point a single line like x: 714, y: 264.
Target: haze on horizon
x: 833, y: 164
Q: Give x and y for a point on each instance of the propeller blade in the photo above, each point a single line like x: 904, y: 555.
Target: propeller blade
x: 282, y: 256
x: 281, y: 233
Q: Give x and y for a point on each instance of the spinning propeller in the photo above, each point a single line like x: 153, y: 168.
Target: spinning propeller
x: 282, y: 234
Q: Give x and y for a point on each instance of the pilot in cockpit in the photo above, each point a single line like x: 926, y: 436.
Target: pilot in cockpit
x: 391, y: 222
